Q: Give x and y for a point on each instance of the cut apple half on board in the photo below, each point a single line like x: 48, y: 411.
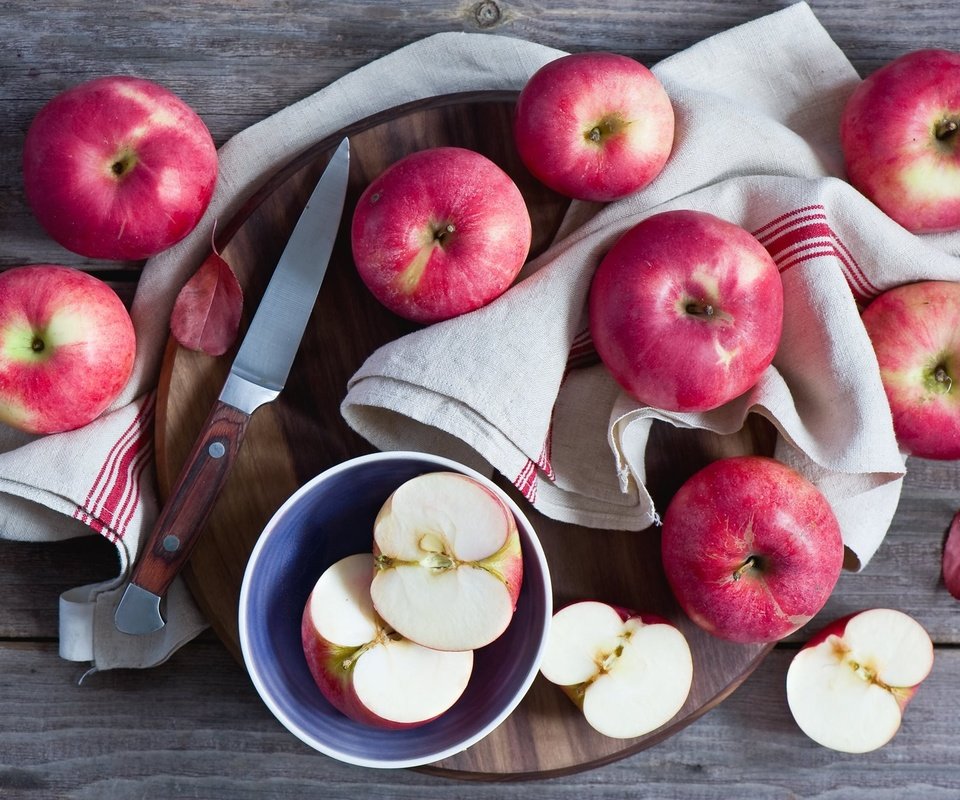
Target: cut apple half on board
x: 629, y: 673
x: 849, y: 685
x: 364, y: 669
x: 448, y: 564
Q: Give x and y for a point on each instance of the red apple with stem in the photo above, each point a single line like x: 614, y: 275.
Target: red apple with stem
x: 118, y: 168
x: 686, y: 311
x: 900, y: 135
x: 439, y: 233
x: 850, y: 684
x: 751, y: 549
x: 594, y: 125
x: 67, y: 347
x: 915, y: 332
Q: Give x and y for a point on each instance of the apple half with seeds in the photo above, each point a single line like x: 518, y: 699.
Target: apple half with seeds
x: 448, y: 562
x: 628, y: 673
x: 366, y: 670
x: 849, y: 685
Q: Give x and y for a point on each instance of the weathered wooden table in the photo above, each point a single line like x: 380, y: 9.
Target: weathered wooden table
x: 194, y: 727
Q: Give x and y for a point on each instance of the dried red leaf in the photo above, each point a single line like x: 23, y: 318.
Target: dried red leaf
x: 206, y: 314
x: 951, y: 558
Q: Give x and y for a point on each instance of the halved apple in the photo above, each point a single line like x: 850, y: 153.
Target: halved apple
x: 629, y: 673
x: 448, y: 563
x: 849, y: 685
x: 366, y: 670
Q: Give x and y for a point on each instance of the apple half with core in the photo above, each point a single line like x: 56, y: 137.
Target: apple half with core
x: 594, y: 126
x: 848, y: 687
x: 67, y: 347
x: 364, y: 669
x: 439, y: 233
x: 118, y: 168
x: 900, y: 136
x: 751, y: 549
x: 686, y: 311
x: 628, y: 673
x: 448, y: 562
x: 915, y: 333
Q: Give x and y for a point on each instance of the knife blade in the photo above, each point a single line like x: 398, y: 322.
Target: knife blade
x: 257, y: 376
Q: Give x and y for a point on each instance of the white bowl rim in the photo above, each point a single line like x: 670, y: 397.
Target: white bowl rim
x: 399, y: 763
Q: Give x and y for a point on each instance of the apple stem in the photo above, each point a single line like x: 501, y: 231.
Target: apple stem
x: 37, y: 345
x: 943, y: 377
x: 442, y: 233
x: 945, y: 128
x: 700, y: 309
x: 751, y: 563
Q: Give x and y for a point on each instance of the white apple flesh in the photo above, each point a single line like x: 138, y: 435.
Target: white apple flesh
x: 363, y: 668
x: 448, y: 562
x: 67, y: 347
x: 849, y: 685
x: 628, y: 673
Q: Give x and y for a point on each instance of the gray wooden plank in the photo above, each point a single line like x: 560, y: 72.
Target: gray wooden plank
x: 195, y: 728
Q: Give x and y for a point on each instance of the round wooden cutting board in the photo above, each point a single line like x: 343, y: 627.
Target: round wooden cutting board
x: 302, y: 433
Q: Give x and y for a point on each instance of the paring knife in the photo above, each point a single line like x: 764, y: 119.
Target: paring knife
x: 257, y: 375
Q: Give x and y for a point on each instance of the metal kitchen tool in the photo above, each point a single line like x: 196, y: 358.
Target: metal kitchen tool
x: 257, y: 375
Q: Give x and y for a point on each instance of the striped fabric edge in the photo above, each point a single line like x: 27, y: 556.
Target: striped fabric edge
x: 805, y: 234
x: 115, y: 494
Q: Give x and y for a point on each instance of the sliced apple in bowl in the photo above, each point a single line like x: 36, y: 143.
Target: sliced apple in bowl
x: 628, y: 673
x: 448, y: 563
x: 366, y: 670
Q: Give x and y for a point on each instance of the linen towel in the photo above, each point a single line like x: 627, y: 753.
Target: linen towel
x: 756, y: 107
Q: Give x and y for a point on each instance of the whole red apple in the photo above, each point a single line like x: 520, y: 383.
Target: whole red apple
x: 66, y: 348
x: 594, y: 126
x: 439, y: 233
x: 900, y: 135
x: 915, y: 332
x: 751, y: 549
x: 118, y: 168
x: 686, y: 311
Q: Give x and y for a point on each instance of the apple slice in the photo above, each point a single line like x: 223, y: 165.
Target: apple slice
x: 629, y: 673
x: 448, y: 562
x: 366, y: 671
x: 849, y: 685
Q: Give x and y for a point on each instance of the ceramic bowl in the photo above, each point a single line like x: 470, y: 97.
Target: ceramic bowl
x: 329, y: 518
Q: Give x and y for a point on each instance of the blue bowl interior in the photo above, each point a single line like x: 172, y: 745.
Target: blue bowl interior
x: 332, y: 517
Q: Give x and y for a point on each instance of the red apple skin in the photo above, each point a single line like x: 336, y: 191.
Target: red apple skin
x: 594, y: 126
x: 915, y: 332
x: 751, y: 549
x: 439, y: 233
x: 326, y: 663
x: 67, y: 347
x: 686, y: 311
x: 900, y: 140
x: 118, y: 168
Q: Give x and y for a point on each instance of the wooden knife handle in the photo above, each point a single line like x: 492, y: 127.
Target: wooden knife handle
x: 192, y: 498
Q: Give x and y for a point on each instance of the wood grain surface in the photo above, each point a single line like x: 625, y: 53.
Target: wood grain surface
x: 194, y: 727
x: 302, y: 433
